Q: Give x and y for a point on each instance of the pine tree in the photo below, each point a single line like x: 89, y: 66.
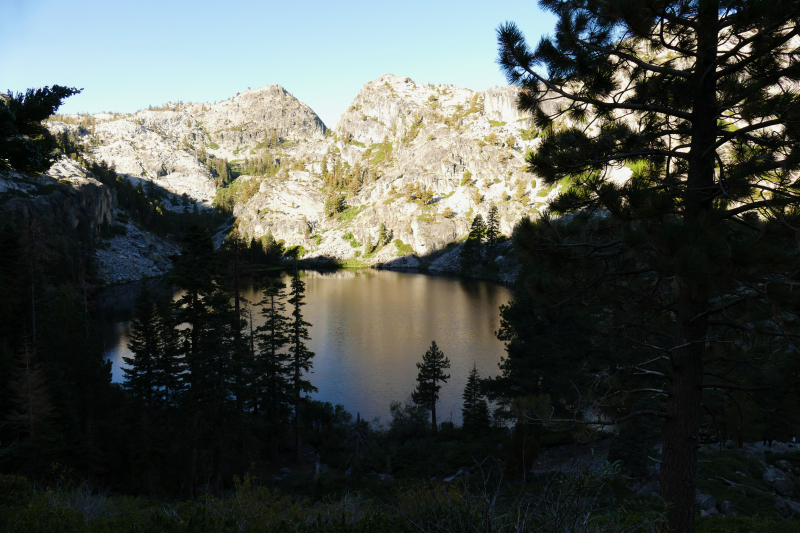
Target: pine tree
x: 195, y: 271
x: 213, y: 390
x: 26, y: 145
x: 383, y: 236
x: 472, y: 250
x: 492, y: 230
x: 690, y: 256
x: 29, y: 392
x: 273, y: 366
x: 170, y: 363
x: 475, y: 413
x: 272, y: 249
x: 140, y: 376
x: 300, y: 355
x: 431, y: 373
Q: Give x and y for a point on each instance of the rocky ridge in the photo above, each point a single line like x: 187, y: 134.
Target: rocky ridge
x: 67, y: 194
x: 163, y: 145
x: 421, y: 160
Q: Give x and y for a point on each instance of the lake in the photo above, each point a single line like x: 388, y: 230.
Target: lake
x: 369, y: 329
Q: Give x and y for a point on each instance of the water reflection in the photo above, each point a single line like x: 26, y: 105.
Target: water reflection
x: 369, y: 329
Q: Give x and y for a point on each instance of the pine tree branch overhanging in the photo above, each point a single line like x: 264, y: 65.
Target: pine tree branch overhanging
x: 703, y: 225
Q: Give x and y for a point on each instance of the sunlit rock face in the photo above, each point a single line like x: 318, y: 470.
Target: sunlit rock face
x: 162, y: 145
x: 464, y: 149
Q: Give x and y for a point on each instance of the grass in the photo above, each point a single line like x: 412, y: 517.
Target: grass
x: 496, y: 123
x: 544, y: 192
x: 349, y: 213
x: 352, y: 263
x: 379, y: 153
x: 213, y: 146
x: 403, y: 248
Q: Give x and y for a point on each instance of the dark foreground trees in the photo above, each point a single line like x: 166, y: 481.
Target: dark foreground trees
x: 693, y: 258
x: 299, y: 355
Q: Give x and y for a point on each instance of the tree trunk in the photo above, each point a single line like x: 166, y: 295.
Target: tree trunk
x: 358, y: 443
x: 238, y: 333
x: 680, y: 432
x: 298, y: 450
x: 433, y: 413
x: 190, y: 482
x: 298, y: 453
x: 681, y: 429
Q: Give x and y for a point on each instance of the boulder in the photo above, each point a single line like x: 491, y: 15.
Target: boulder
x: 704, y: 501
x: 778, y: 480
x: 784, y: 465
x: 455, y: 476
x: 307, y: 449
x: 285, y: 470
x: 781, y: 507
x: 710, y: 512
x: 792, y: 506
x: 651, y: 488
x: 730, y: 444
x: 728, y: 509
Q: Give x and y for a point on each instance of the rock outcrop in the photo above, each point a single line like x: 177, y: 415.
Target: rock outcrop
x: 465, y: 148
x: 165, y: 145
x: 779, y: 480
x: 66, y: 195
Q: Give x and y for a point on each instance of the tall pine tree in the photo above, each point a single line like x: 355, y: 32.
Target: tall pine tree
x: 140, y: 378
x: 492, y: 231
x: 475, y: 412
x: 272, y: 367
x: 690, y: 256
x: 431, y: 374
x: 472, y: 250
x: 300, y: 355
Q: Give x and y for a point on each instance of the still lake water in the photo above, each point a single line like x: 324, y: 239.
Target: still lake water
x: 369, y: 329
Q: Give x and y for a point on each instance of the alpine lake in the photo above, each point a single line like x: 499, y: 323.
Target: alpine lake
x: 369, y: 329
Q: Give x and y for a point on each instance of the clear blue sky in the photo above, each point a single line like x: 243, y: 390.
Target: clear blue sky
x: 128, y: 54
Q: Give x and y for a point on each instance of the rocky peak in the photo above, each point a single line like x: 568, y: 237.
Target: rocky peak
x: 247, y: 119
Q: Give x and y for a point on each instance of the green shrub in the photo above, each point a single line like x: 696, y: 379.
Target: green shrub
x: 529, y: 134
x: 296, y: 251
x: 14, y: 490
x: 403, y: 248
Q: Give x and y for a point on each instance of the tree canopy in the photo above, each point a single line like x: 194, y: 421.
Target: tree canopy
x: 26, y: 145
x: 673, y: 124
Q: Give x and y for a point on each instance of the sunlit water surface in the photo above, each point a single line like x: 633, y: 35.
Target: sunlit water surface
x: 369, y: 329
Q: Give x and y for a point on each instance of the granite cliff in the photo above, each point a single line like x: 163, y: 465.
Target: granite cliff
x: 419, y: 160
